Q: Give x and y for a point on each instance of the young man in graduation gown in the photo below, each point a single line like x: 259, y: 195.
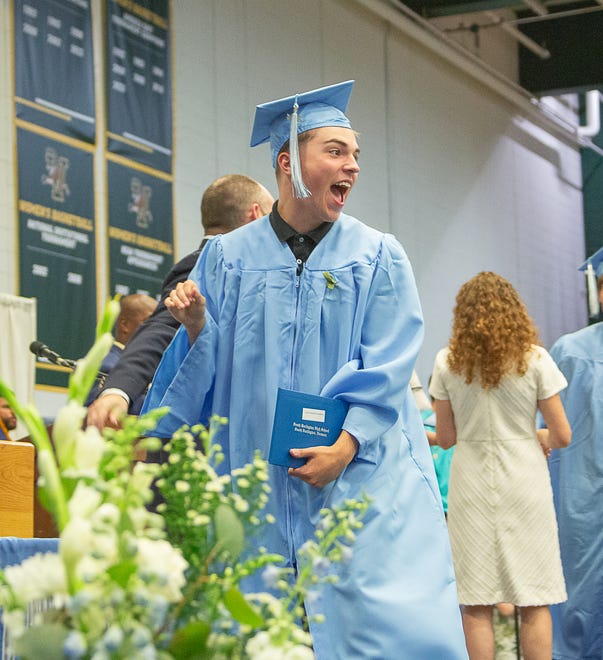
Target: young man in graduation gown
x: 310, y: 299
x: 577, y: 481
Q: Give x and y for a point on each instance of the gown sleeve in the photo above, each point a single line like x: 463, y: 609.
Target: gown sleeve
x: 391, y: 331
x: 186, y: 373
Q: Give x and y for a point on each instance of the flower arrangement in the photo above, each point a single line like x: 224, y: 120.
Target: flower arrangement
x: 141, y: 582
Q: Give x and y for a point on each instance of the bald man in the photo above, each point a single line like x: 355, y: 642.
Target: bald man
x: 134, y: 310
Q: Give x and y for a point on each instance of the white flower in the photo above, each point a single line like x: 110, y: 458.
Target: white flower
x: 148, y: 652
x: 240, y: 505
x: 141, y: 637
x: 75, y: 645
x: 89, y: 568
x: 105, y: 545
x: 84, y: 501
x: 140, y: 518
x: 76, y: 541
x: 258, y: 644
x: 89, y: 448
x: 67, y: 426
x: 272, y: 602
x: 81, y: 600
x: 321, y: 566
x: 14, y: 620
x: 113, y: 638
x: 299, y: 653
x: 215, y: 486
x: 90, y: 539
x: 260, y: 647
x: 160, y: 559
x: 106, y: 514
x: 37, y: 577
x: 182, y: 486
x: 270, y: 576
x: 142, y: 477
x: 346, y: 554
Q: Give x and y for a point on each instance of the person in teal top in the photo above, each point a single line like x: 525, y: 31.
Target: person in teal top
x: 313, y: 300
x: 441, y: 457
x: 441, y: 461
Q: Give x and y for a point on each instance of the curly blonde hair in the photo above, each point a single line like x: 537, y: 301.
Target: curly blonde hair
x: 492, y: 332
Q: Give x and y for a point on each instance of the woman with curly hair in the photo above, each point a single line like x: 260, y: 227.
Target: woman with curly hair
x: 487, y: 386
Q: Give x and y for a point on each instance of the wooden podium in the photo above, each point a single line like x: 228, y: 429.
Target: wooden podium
x: 17, y: 486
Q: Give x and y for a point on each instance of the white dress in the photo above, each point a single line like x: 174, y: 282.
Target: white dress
x: 501, y: 517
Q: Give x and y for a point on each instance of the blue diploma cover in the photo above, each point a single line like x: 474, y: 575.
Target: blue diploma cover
x: 303, y: 420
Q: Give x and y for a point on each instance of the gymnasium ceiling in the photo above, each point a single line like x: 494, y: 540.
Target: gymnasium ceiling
x: 561, y: 41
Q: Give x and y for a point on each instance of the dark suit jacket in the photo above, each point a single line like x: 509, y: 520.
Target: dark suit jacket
x: 111, y: 359
x: 143, y: 352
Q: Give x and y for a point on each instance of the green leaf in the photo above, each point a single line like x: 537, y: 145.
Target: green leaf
x: 122, y: 572
x: 230, y: 535
x: 110, y: 314
x: 190, y: 642
x: 241, y: 610
x: 44, y: 641
x: 86, y: 371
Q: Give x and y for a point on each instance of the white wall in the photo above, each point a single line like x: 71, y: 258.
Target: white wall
x: 462, y: 178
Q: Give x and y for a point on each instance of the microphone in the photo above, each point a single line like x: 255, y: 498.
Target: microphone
x: 43, y: 351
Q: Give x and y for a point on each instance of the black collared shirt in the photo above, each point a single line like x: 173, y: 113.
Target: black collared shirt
x: 301, y: 244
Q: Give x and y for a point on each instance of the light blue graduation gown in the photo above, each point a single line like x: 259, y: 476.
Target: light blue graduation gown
x: 358, y: 340
x: 577, y: 480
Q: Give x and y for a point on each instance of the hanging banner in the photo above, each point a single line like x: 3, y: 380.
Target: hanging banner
x: 140, y: 230
x: 139, y: 99
x: 54, y: 67
x: 57, y: 263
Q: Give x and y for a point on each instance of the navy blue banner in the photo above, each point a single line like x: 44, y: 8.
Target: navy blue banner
x: 54, y: 66
x: 139, y: 82
x: 57, y: 260
x: 141, y: 234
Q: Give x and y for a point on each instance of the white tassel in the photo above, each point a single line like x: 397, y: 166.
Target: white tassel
x: 591, y: 288
x: 299, y: 189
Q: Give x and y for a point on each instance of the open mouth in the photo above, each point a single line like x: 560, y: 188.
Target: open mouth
x: 340, y: 190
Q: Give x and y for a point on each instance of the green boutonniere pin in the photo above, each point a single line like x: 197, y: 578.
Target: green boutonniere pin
x: 331, y: 281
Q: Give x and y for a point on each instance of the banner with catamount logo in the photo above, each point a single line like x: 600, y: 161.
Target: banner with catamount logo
x: 54, y: 66
x: 57, y: 244
x: 140, y: 229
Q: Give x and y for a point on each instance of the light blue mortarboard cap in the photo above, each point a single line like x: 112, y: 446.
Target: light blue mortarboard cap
x: 593, y: 268
x: 284, y: 119
x: 596, y: 260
